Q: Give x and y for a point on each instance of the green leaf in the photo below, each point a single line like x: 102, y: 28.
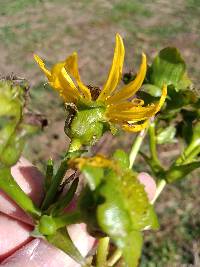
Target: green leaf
x: 179, y: 172
x: 196, y: 133
x: 121, y: 206
x: 13, y: 131
x: 87, y: 205
x: 166, y: 136
x: 93, y: 175
x: 151, y: 89
x: 177, y: 100
x: 12, y: 189
x: 126, y: 203
x: 56, y: 181
x: 131, y: 247
x: 62, y: 240
x: 122, y: 158
x: 169, y: 68
x: 58, y: 207
x: 124, y: 212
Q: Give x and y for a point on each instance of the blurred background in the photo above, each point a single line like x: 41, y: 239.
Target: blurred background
x: 56, y: 28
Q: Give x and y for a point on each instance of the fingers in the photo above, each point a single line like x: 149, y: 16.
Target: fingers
x: 39, y: 253
x: 81, y: 239
x: 149, y: 184
x: 13, y: 234
x: 30, y: 180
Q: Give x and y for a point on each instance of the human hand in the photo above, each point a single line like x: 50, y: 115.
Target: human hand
x: 17, y: 248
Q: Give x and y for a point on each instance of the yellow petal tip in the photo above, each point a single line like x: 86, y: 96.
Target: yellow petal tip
x: 37, y: 58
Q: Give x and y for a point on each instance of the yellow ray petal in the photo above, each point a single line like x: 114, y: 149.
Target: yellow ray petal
x: 135, y: 113
x: 71, y: 65
x: 133, y: 117
x: 125, y: 106
x: 62, y: 82
x: 137, y: 102
x: 136, y: 127
x: 162, y: 98
x: 115, y: 71
x: 42, y: 66
x: 129, y: 109
x: 96, y: 161
x: 61, y: 77
x: 130, y: 89
x: 139, y: 127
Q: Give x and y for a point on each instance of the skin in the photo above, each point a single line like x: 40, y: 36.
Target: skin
x: 17, y: 248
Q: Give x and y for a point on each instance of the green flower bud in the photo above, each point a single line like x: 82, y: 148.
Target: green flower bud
x: 87, y: 126
x: 47, y: 225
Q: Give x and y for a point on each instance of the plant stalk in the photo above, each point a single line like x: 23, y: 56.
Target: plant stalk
x: 102, y: 251
x: 115, y: 257
x: 136, y: 147
x: 161, y: 185
x: 67, y: 219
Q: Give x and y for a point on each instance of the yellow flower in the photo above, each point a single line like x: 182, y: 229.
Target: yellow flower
x: 96, y: 161
x: 119, y: 108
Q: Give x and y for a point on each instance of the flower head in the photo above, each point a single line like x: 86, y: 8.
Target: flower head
x: 121, y: 106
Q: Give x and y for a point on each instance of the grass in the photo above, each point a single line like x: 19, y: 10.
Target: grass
x: 54, y: 29
x: 10, y: 7
x: 126, y: 9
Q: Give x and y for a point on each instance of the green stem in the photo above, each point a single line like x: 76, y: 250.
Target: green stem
x: 102, y: 251
x: 67, y: 219
x: 180, y: 171
x: 13, y: 190
x: 189, y: 153
x: 152, y: 144
x: 136, y: 147
x: 161, y: 185
x: 193, y: 154
x: 115, y: 257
